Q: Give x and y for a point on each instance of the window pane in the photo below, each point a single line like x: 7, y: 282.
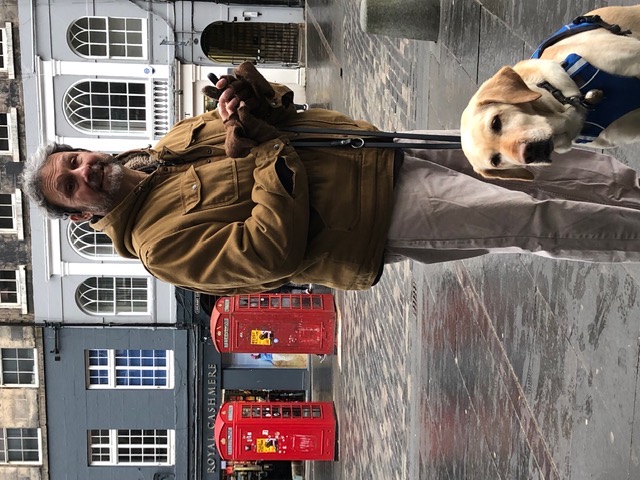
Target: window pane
x: 3, y: 42
x: 6, y: 209
x: 18, y: 366
x: 89, y: 242
x: 22, y: 445
x: 8, y: 287
x: 4, y: 127
x: 132, y: 368
x: 109, y: 107
x: 107, y: 37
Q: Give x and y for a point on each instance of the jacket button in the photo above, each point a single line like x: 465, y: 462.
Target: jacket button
x: 194, y: 186
x: 276, y: 146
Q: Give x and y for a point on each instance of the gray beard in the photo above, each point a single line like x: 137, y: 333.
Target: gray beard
x: 114, y: 177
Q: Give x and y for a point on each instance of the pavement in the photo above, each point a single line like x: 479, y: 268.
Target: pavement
x: 499, y: 367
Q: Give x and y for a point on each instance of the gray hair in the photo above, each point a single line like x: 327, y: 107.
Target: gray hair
x: 32, y: 178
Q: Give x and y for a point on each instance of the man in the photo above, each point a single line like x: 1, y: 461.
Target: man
x: 225, y: 204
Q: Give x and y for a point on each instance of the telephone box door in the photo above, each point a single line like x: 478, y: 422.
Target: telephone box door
x: 276, y: 431
x: 275, y: 323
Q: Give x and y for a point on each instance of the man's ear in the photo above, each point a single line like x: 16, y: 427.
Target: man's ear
x: 80, y: 216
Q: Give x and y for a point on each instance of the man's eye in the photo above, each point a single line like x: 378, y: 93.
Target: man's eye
x: 69, y: 188
x: 73, y: 162
x: 496, y: 124
x: 495, y: 160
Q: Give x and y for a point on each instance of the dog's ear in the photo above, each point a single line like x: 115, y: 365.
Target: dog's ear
x: 509, y: 174
x: 506, y: 86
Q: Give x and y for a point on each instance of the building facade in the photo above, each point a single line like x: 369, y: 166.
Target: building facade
x: 132, y: 379
x: 23, y: 433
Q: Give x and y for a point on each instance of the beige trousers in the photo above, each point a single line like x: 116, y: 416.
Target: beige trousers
x: 585, y: 206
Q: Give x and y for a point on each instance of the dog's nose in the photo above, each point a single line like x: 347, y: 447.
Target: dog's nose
x: 538, y: 152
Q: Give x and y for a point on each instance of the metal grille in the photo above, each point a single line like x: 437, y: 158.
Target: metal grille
x: 234, y: 43
x: 160, y: 108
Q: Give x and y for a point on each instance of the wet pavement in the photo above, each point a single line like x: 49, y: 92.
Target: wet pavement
x: 499, y: 367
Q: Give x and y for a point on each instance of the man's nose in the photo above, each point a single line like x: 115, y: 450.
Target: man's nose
x: 85, y: 172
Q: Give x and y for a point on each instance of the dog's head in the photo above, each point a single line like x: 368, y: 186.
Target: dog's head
x: 502, y: 130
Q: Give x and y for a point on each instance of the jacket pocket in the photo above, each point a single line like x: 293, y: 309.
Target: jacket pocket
x: 191, y: 136
x: 335, y: 188
x: 212, y: 185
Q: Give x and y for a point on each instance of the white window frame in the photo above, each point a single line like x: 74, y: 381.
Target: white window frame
x: 78, y: 234
x: 5, y: 452
x: 36, y: 380
x: 70, y: 112
x: 114, y: 311
x: 108, y: 33
x: 12, y: 126
x: 112, y: 370
x: 7, y: 50
x: 111, y: 449
x: 21, y: 282
x: 16, y: 209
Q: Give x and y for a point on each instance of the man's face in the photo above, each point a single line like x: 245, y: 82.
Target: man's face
x: 82, y: 181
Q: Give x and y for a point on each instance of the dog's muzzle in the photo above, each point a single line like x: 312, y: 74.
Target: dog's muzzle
x: 538, y: 152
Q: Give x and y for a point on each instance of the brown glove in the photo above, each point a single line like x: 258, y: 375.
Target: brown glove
x: 245, y: 131
x: 248, y: 85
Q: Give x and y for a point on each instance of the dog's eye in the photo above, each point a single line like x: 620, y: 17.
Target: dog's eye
x: 495, y: 160
x: 496, y: 124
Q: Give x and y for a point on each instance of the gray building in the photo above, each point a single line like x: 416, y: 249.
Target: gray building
x: 132, y: 380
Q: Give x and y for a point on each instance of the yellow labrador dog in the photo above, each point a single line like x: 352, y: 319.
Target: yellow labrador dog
x: 523, y: 113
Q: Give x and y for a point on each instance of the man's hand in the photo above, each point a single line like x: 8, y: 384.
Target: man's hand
x: 228, y: 101
x: 248, y: 86
x: 245, y: 131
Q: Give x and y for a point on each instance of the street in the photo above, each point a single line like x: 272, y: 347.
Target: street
x: 499, y: 367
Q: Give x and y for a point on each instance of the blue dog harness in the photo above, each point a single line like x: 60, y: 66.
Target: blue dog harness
x: 616, y: 95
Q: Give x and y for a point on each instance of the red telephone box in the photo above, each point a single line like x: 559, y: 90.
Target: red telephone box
x: 276, y: 431
x: 275, y: 323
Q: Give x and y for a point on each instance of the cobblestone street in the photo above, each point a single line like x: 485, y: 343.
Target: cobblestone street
x: 499, y: 367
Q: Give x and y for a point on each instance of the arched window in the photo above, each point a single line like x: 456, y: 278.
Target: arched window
x: 88, y: 242
x: 98, y: 106
x: 108, y: 37
x: 113, y: 295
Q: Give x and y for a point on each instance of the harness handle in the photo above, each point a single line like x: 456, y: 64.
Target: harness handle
x: 373, y: 139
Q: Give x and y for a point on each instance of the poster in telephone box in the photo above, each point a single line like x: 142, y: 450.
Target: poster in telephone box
x: 275, y: 323
x: 276, y: 431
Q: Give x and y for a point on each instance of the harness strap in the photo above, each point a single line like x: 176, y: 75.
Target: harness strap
x: 372, y: 139
x: 577, y: 25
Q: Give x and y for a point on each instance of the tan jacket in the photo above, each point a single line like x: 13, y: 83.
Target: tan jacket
x: 219, y: 225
